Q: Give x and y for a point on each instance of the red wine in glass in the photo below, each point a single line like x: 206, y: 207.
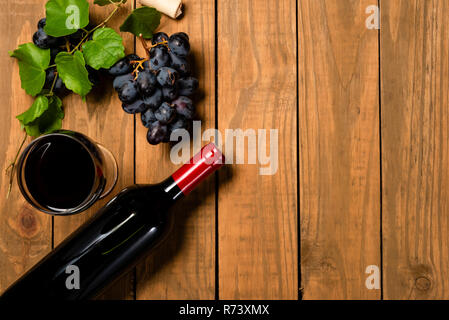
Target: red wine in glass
x: 65, y: 172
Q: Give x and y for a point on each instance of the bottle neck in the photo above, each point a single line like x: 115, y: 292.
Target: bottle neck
x: 171, y: 189
x: 191, y: 174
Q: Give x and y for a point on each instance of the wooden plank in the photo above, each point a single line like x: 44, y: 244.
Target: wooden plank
x: 184, y: 267
x: 339, y: 149
x: 25, y: 233
x: 415, y: 132
x: 257, y: 90
x: 103, y: 119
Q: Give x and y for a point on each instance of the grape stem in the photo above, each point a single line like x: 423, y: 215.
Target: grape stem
x: 151, y: 46
x: 145, y: 45
x: 12, y: 166
x: 165, y: 43
x: 53, y: 84
x: 117, y: 7
x: 138, y: 64
x: 67, y: 45
x: 147, y: 51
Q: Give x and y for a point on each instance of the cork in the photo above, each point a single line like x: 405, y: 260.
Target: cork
x: 172, y: 8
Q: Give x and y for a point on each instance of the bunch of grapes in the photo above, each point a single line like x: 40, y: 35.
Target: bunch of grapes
x: 56, y: 45
x: 158, y: 87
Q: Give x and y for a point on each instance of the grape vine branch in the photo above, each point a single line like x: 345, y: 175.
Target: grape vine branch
x: 71, y: 51
x: 103, y: 23
x: 61, y: 59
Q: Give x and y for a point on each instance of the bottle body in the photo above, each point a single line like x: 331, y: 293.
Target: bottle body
x: 130, y: 225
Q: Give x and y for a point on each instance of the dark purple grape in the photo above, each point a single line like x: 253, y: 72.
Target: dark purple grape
x: 170, y: 93
x: 179, y: 44
x: 75, y: 38
x: 133, y: 57
x: 165, y: 113
x: 53, y: 53
x: 49, y: 77
x: 128, y: 92
x: 180, y: 64
x: 44, y: 41
x: 167, y: 137
x: 187, y: 86
x: 167, y: 77
x: 148, y: 118
x: 134, y: 107
x: 41, y: 23
x: 184, y: 107
x: 60, y: 89
x: 159, y: 57
x: 146, y: 83
x: 59, y: 86
x: 121, y: 80
x: 94, y: 78
x: 157, y: 133
x: 155, y: 100
x: 123, y: 66
x: 179, y: 123
x: 182, y: 34
x: 159, y: 37
x: 120, y: 68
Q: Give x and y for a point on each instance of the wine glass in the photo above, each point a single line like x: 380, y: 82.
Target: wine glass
x: 65, y: 172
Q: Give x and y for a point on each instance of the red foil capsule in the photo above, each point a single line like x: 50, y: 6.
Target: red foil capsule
x: 202, y: 165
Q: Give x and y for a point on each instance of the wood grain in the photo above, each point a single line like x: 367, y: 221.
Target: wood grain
x: 415, y: 155
x: 339, y: 149
x: 102, y: 119
x: 184, y: 267
x: 25, y: 233
x: 328, y: 68
x: 257, y: 90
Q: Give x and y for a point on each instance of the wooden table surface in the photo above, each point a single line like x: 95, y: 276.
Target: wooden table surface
x: 362, y: 118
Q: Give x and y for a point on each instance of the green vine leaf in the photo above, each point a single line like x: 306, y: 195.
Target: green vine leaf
x: 65, y: 17
x: 44, y: 116
x: 104, y: 50
x: 142, y: 21
x: 33, y: 62
x: 39, y: 106
x: 73, y: 72
x: 107, y: 2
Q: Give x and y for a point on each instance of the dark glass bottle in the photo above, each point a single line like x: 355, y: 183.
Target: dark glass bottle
x: 110, y: 243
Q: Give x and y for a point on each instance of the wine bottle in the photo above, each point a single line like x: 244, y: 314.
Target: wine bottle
x: 115, y: 238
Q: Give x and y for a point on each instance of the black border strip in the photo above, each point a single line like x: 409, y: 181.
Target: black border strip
x: 134, y: 273
x: 217, y: 177
x: 380, y: 154
x: 298, y: 196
